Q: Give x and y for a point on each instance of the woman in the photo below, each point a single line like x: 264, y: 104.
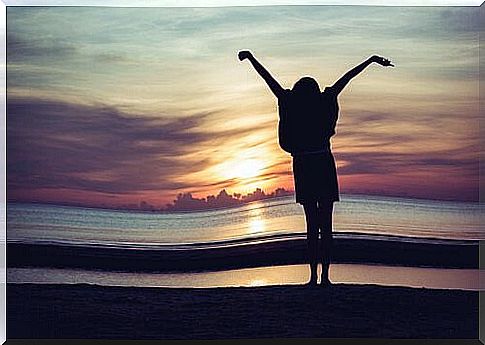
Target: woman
x: 307, y: 122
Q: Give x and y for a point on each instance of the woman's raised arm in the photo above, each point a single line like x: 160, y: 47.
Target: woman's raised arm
x: 345, y: 79
x: 263, y: 72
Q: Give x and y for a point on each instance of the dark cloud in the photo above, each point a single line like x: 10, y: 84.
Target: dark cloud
x: 378, y: 162
x: 32, y: 60
x: 52, y: 144
x: 31, y: 48
x: 186, y: 202
x: 111, y: 57
x: 370, y: 149
x: 370, y: 139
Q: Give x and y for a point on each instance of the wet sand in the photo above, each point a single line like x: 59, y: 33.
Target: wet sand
x: 341, y: 311
x: 449, y: 254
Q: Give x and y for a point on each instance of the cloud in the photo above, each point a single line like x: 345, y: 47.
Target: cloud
x: 100, y: 149
x: 52, y: 144
x: 378, y: 162
x: 21, y: 48
x: 424, y: 112
x: 185, y: 201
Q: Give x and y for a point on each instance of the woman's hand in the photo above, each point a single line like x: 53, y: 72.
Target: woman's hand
x: 244, y: 54
x: 381, y: 61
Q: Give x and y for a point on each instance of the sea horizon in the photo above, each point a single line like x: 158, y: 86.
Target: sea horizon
x: 166, y: 210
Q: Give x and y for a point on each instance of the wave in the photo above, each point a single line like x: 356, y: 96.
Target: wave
x: 245, y: 241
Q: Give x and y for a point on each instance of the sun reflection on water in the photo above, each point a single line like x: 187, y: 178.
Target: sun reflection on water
x: 258, y: 282
x: 256, y: 223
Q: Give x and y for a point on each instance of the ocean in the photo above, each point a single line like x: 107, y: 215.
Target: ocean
x: 356, y: 217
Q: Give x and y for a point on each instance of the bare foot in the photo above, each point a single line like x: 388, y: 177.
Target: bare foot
x: 325, y: 282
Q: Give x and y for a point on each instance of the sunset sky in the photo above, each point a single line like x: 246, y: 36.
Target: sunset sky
x: 114, y: 106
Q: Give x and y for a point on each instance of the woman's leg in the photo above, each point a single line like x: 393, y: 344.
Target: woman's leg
x: 325, y: 211
x: 312, y: 239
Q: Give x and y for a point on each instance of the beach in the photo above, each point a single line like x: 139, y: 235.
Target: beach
x: 237, y: 273
x: 340, y: 311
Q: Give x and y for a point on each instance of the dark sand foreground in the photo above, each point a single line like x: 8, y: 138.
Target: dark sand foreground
x: 341, y: 311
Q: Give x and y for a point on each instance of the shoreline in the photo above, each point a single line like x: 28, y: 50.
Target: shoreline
x: 358, y: 274
x: 340, y: 311
x: 282, y: 252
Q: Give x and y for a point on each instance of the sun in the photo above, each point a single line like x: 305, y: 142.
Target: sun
x: 248, y: 168
x: 241, y: 170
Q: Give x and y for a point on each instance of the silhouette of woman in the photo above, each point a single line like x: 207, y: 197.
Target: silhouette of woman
x: 309, y: 117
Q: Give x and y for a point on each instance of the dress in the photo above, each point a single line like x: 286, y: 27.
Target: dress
x: 314, y: 168
x: 315, y: 177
